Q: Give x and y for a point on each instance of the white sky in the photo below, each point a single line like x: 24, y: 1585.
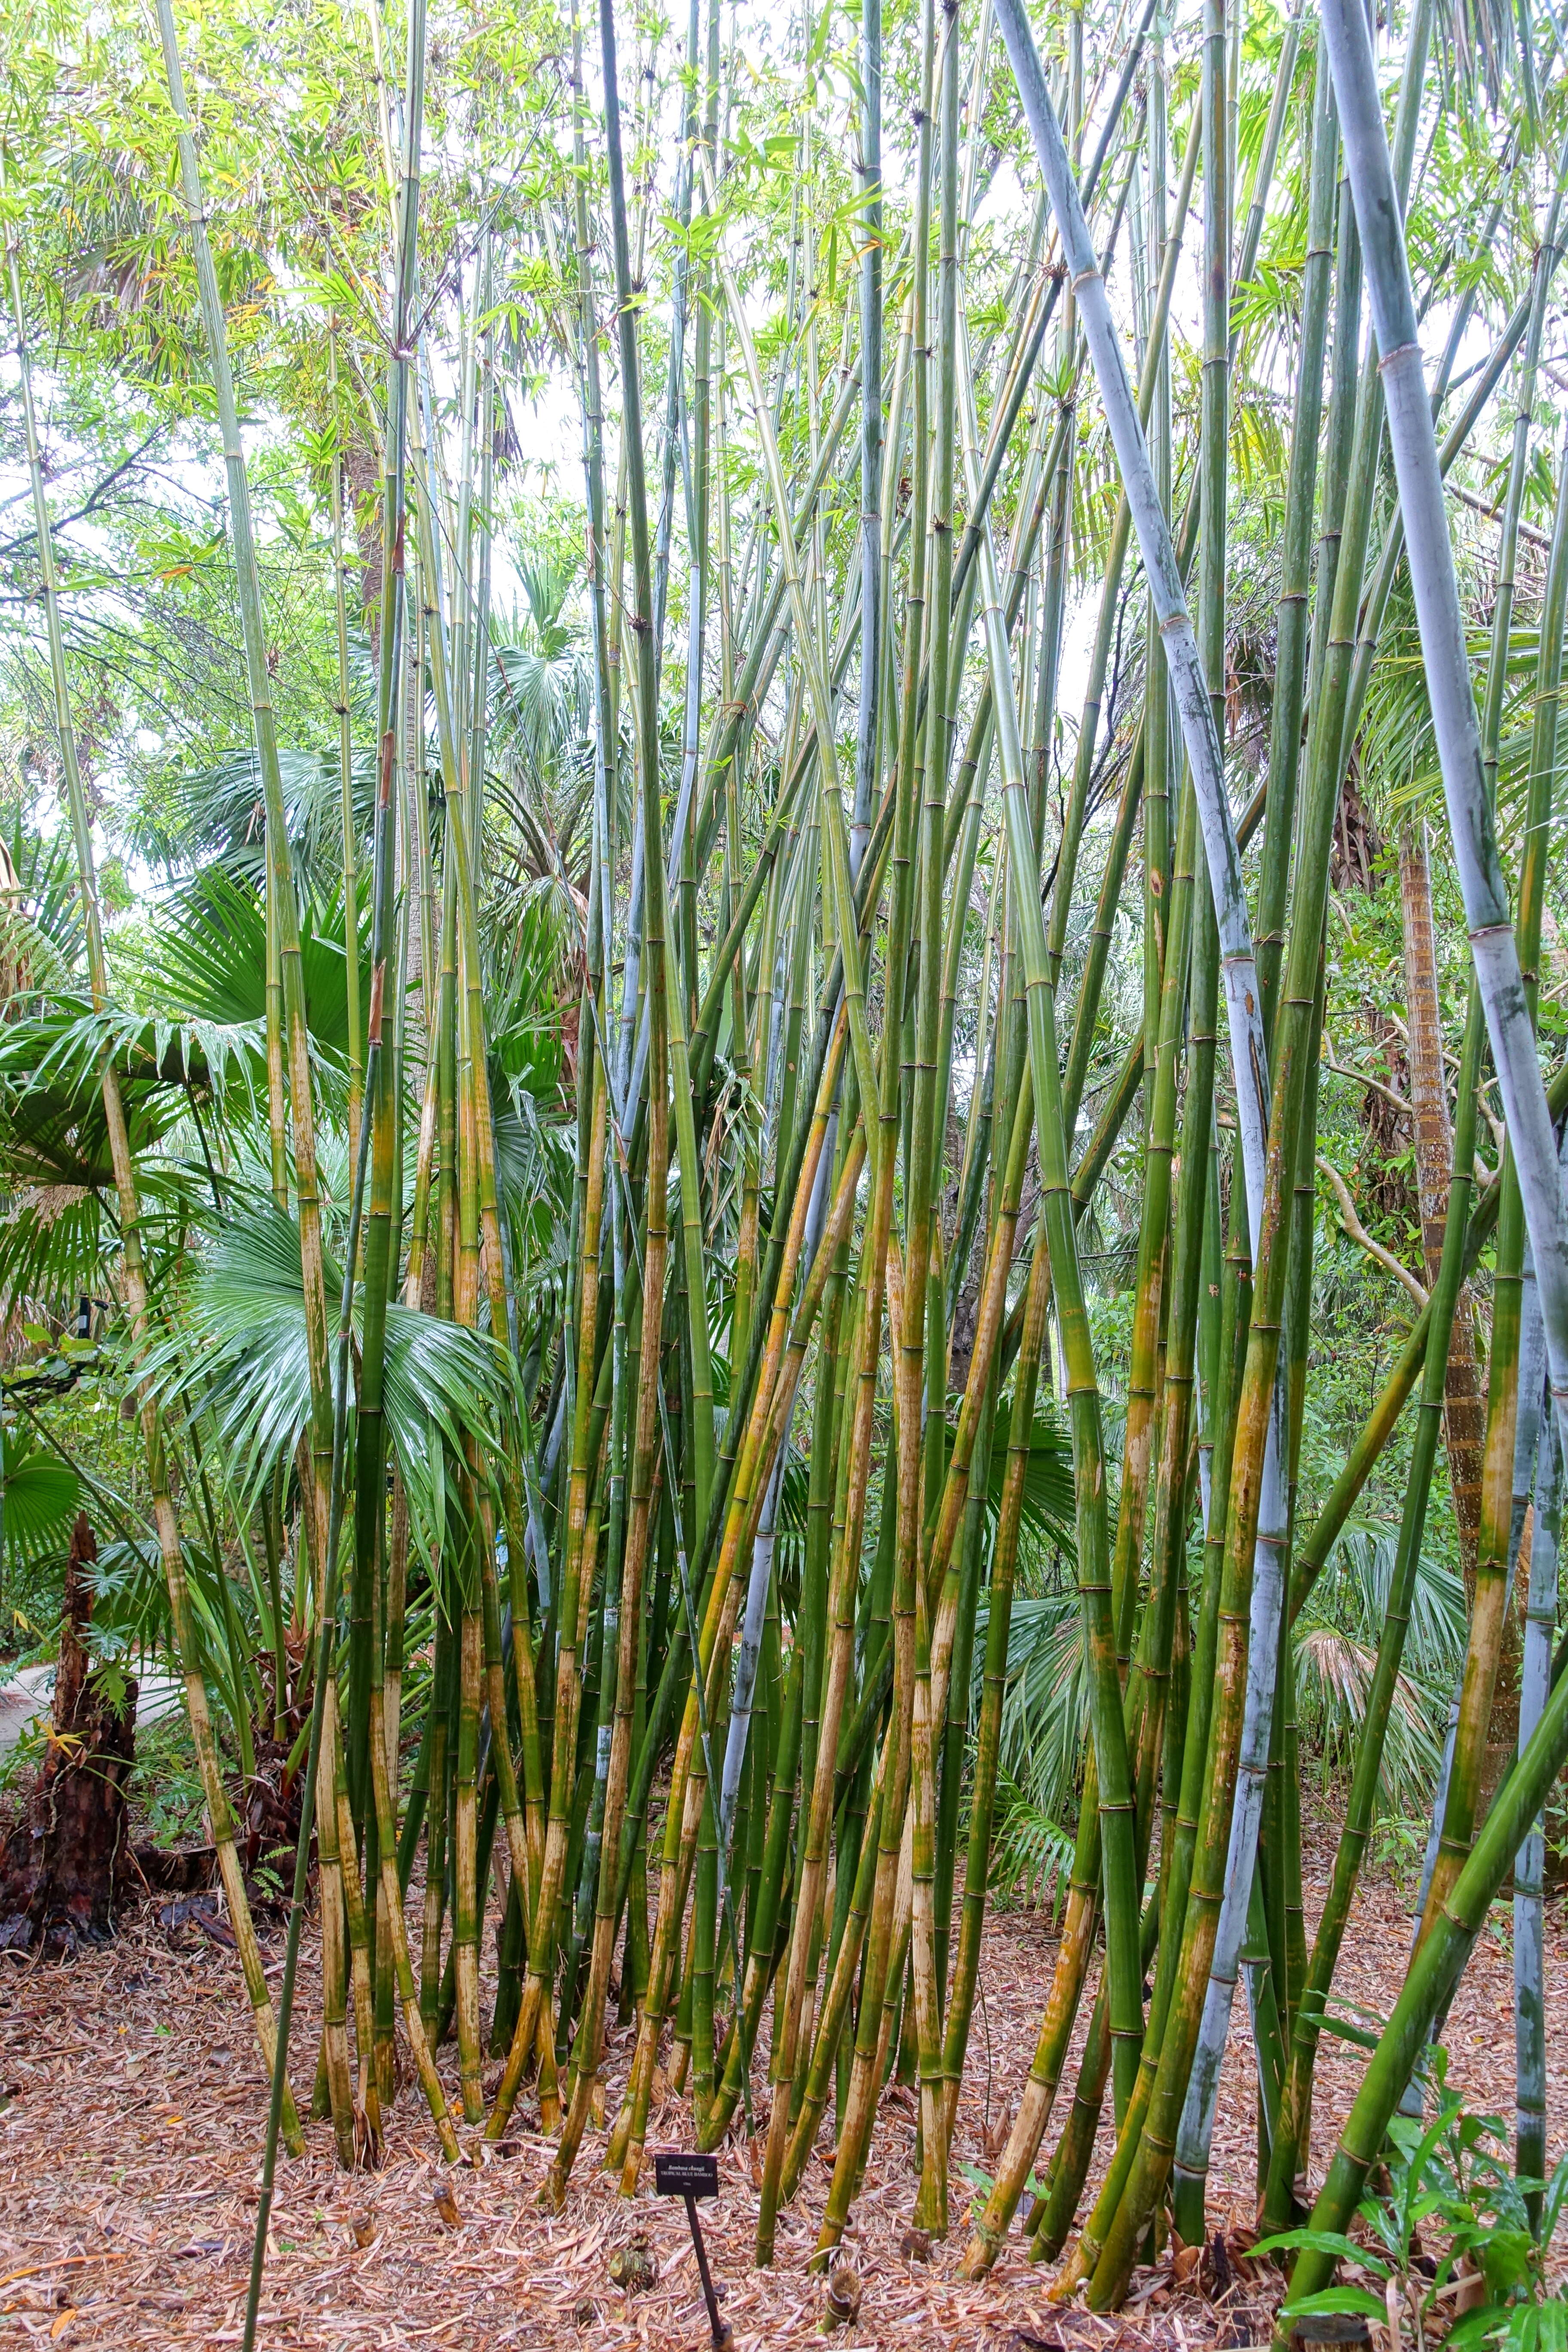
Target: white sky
x: 548, y: 421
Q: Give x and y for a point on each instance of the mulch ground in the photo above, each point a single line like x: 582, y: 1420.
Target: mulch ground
x: 132, y: 2119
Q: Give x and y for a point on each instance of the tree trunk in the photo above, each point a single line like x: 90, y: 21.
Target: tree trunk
x: 1464, y: 1409
x: 63, y: 1865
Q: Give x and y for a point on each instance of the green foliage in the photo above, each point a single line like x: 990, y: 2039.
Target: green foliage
x: 206, y: 953
x: 39, y: 1496
x: 240, y: 1357
x: 1336, y: 1642
x: 1030, y: 1852
x: 296, y: 178
x: 1450, y: 2185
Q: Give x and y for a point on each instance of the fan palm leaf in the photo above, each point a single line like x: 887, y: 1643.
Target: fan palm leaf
x: 208, y: 957
x: 50, y: 1074
x: 1336, y: 1643
x: 241, y: 1355
x: 60, y: 1243
x: 214, y: 815
x: 1334, y: 1675
x: 1048, y: 1512
x: 40, y: 928
x: 40, y: 1498
x: 1044, y: 1707
x: 43, y: 877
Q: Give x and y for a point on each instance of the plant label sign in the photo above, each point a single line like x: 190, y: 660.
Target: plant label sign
x: 678, y: 2174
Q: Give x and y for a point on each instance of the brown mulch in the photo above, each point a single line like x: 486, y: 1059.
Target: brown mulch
x: 133, y: 2111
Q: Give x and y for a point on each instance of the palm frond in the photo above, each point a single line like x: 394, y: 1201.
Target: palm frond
x: 1031, y: 1853
x: 1051, y: 1508
x: 1357, y: 1595
x: 240, y: 1356
x: 1333, y: 1678
x: 40, y: 1498
x: 50, y: 1071
x: 41, y: 935
x: 208, y: 959
x: 1044, y: 1704
x: 214, y: 815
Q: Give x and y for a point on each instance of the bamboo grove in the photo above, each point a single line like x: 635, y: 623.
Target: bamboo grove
x: 673, y: 1642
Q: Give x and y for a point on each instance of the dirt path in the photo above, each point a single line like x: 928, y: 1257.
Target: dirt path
x: 133, y: 2114
x: 24, y: 1701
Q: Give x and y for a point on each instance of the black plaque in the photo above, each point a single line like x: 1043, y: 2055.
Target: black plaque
x: 678, y: 2174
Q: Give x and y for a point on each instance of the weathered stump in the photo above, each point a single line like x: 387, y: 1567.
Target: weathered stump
x: 63, y: 1868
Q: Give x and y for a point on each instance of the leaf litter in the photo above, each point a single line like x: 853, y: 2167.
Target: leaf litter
x: 131, y: 2113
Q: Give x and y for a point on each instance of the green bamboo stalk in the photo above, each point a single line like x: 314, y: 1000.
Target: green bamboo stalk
x: 868, y: 723
x: 1291, y: 660
x: 276, y: 1023
x: 843, y: 1580
x: 922, y: 1382
x: 541, y: 1941
x: 1093, y: 1562
x: 465, y: 1857
x: 1156, y: 690
x: 1169, y: 1548
x: 957, y: 1734
x: 1292, y: 1046
x: 334, y: 1980
x: 1223, y: 1346
x: 1495, y: 1553
x: 689, y: 1777
x: 1004, y: 1561
x: 1287, y: 2160
x: 805, y: 1666
x: 1547, y: 255
x: 1529, y: 1963
x: 1294, y: 1019
x: 249, y: 586
x: 442, y: 1711
x: 1279, y: 1849
x: 1143, y: 1376
x: 919, y: 755
x: 346, y: 785
x: 323, y: 1730
x: 848, y: 951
